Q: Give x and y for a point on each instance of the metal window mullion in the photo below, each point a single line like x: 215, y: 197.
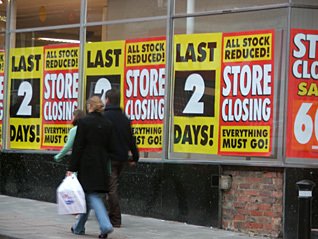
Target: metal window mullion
x: 169, y: 78
x: 36, y: 29
x: 5, y: 121
x: 82, y: 53
x: 285, y: 109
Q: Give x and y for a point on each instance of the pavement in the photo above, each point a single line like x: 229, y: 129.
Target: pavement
x: 22, y: 218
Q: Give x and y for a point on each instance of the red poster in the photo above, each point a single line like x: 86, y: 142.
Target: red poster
x: 144, y: 89
x: 247, y: 90
x: 60, y: 93
x: 302, y: 121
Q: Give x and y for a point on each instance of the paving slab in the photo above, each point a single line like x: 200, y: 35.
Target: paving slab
x: 22, y: 218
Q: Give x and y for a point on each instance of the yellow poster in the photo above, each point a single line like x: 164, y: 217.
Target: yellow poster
x: 104, y: 67
x: 25, y: 77
x: 197, y: 66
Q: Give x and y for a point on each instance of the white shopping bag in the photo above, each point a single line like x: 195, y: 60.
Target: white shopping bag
x: 70, y: 196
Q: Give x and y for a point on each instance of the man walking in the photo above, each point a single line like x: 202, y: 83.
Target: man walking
x: 124, y: 144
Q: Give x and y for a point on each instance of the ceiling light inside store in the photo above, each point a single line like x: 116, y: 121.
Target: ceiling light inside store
x: 1, y: 2
x: 57, y: 39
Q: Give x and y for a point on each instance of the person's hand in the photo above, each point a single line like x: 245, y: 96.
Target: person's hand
x: 132, y: 163
x: 56, y: 159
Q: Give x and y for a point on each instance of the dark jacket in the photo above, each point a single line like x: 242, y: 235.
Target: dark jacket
x: 124, y: 140
x: 90, y: 154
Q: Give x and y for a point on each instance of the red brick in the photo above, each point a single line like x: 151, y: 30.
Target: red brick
x: 264, y: 206
x: 256, y: 213
x: 254, y: 225
x: 239, y: 217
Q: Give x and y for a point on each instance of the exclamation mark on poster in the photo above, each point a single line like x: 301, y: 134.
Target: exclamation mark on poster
x: 211, y: 135
x: 38, y: 133
x: 268, y: 51
x: 266, y: 143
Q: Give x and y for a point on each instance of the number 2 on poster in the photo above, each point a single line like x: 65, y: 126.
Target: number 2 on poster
x: 194, y: 83
x: 25, y: 89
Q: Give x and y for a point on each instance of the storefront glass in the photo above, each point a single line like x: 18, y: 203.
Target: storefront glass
x: 43, y: 83
x: 195, y: 6
x: 302, y: 120
x: 125, y: 48
x: 109, y: 10
x: 133, y: 30
x: 41, y: 13
x: 213, y: 115
x: 305, y: 2
x: 43, y: 38
x: 131, y: 57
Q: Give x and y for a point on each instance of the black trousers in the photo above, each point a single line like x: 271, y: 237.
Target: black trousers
x: 114, y: 211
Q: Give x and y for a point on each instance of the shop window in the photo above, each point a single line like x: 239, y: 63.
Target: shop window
x: 131, y: 57
x: 191, y: 6
x: 305, y: 2
x: 3, y: 16
x: 207, y: 115
x: 302, y: 125
x: 304, y: 18
x: 151, y: 28
x: 43, y: 83
x: 107, y: 10
x: 43, y: 38
x: 43, y: 13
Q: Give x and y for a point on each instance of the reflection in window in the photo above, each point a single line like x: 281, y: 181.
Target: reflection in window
x: 126, y: 31
x: 43, y: 38
x: 107, y: 10
x: 43, y: 13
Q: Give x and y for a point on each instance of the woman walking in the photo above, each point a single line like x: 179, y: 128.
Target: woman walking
x: 90, y: 157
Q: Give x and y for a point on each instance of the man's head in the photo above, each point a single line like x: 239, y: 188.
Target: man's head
x: 113, y: 97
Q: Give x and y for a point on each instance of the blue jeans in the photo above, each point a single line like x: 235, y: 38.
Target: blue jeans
x: 95, y: 202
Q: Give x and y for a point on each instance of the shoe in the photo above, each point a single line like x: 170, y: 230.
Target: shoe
x: 103, y: 235
x: 81, y: 233
x: 117, y: 225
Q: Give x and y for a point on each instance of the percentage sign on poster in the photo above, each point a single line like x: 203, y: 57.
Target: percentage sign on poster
x: 305, y: 126
x: 25, y: 90
x: 101, y: 87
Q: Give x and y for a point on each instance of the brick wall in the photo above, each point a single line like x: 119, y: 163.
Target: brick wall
x: 254, y: 204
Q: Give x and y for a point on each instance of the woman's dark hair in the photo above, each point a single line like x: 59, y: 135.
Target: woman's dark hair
x: 113, y: 96
x: 77, y: 115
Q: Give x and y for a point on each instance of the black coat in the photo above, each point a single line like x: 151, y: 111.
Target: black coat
x: 90, y: 154
x: 124, y: 140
